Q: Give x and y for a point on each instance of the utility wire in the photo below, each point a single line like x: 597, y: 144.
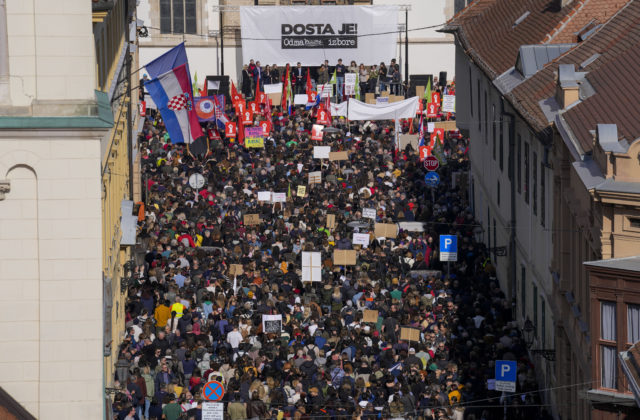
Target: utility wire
x: 278, y: 39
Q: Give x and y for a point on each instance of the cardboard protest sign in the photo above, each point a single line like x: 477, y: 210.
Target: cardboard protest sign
x: 230, y: 129
x: 344, y: 257
x: 235, y: 270
x: 409, y: 334
x: 386, y: 230
x: 321, y: 152
x: 370, y: 316
x: 333, y: 156
x: 311, y: 266
x: 251, y: 219
x: 369, y: 213
x: 420, y: 91
x: 279, y: 197
x: 331, y: 221
x: 370, y: 98
x: 272, y: 324
x: 396, y: 98
x: 384, y: 93
x: 264, y: 195
x: 446, y: 125
x: 361, y: 239
x: 315, y: 177
x: 302, y: 191
x: 316, y: 132
x: 253, y: 137
x: 405, y: 139
x: 275, y: 98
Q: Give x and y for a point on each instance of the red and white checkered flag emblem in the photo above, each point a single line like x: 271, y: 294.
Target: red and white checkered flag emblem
x: 177, y: 103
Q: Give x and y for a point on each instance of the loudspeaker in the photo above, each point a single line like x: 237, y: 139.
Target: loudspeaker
x: 442, y: 79
x: 223, y: 88
x: 418, y: 80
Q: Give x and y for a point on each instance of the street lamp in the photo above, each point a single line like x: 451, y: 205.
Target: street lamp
x: 529, y: 330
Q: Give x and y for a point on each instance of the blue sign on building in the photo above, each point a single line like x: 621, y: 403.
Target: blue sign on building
x: 506, y: 375
x: 448, y: 248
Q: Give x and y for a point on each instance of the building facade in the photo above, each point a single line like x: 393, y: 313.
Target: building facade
x: 534, y: 95
x: 198, y: 23
x: 65, y: 139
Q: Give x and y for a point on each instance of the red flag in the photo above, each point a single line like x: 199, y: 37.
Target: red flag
x: 235, y: 96
x: 234, y: 91
x: 240, y: 134
x: 267, y: 109
x: 309, y: 86
x: 284, y: 88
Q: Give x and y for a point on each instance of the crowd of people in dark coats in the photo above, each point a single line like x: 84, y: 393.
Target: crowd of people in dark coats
x: 204, y: 280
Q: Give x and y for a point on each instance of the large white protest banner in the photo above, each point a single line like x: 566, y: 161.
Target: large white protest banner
x: 310, y: 34
x: 359, y: 110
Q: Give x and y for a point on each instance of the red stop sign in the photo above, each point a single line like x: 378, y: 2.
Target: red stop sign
x: 431, y: 163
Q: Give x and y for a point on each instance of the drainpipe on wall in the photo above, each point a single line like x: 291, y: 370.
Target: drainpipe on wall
x: 5, y: 93
x: 512, y: 222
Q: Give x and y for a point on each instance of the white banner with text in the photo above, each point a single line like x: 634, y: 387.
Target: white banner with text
x: 311, y: 34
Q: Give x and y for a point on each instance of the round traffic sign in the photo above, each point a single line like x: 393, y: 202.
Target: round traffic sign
x: 213, y: 391
x: 196, y: 181
x: 432, y: 179
x: 431, y: 163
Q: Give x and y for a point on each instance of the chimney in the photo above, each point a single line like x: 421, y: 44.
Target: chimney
x: 559, y: 4
x: 567, y: 89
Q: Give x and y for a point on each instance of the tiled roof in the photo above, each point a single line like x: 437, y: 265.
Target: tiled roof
x: 584, y: 13
x: 616, y: 88
x: 488, y: 31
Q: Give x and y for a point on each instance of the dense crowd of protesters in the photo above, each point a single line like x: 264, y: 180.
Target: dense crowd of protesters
x: 189, y: 320
x: 371, y: 79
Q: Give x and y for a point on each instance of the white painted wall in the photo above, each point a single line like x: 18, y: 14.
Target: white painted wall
x: 50, y: 275
x: 533, y: 241
x: 51, y: 50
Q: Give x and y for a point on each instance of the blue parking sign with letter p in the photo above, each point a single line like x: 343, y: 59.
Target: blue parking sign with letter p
x: 506, y: 375
x: 448, y: 248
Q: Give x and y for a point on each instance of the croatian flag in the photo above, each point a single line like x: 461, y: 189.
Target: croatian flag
x: 221, y: 118
x: 172, y: 92
x: 317, y: 101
